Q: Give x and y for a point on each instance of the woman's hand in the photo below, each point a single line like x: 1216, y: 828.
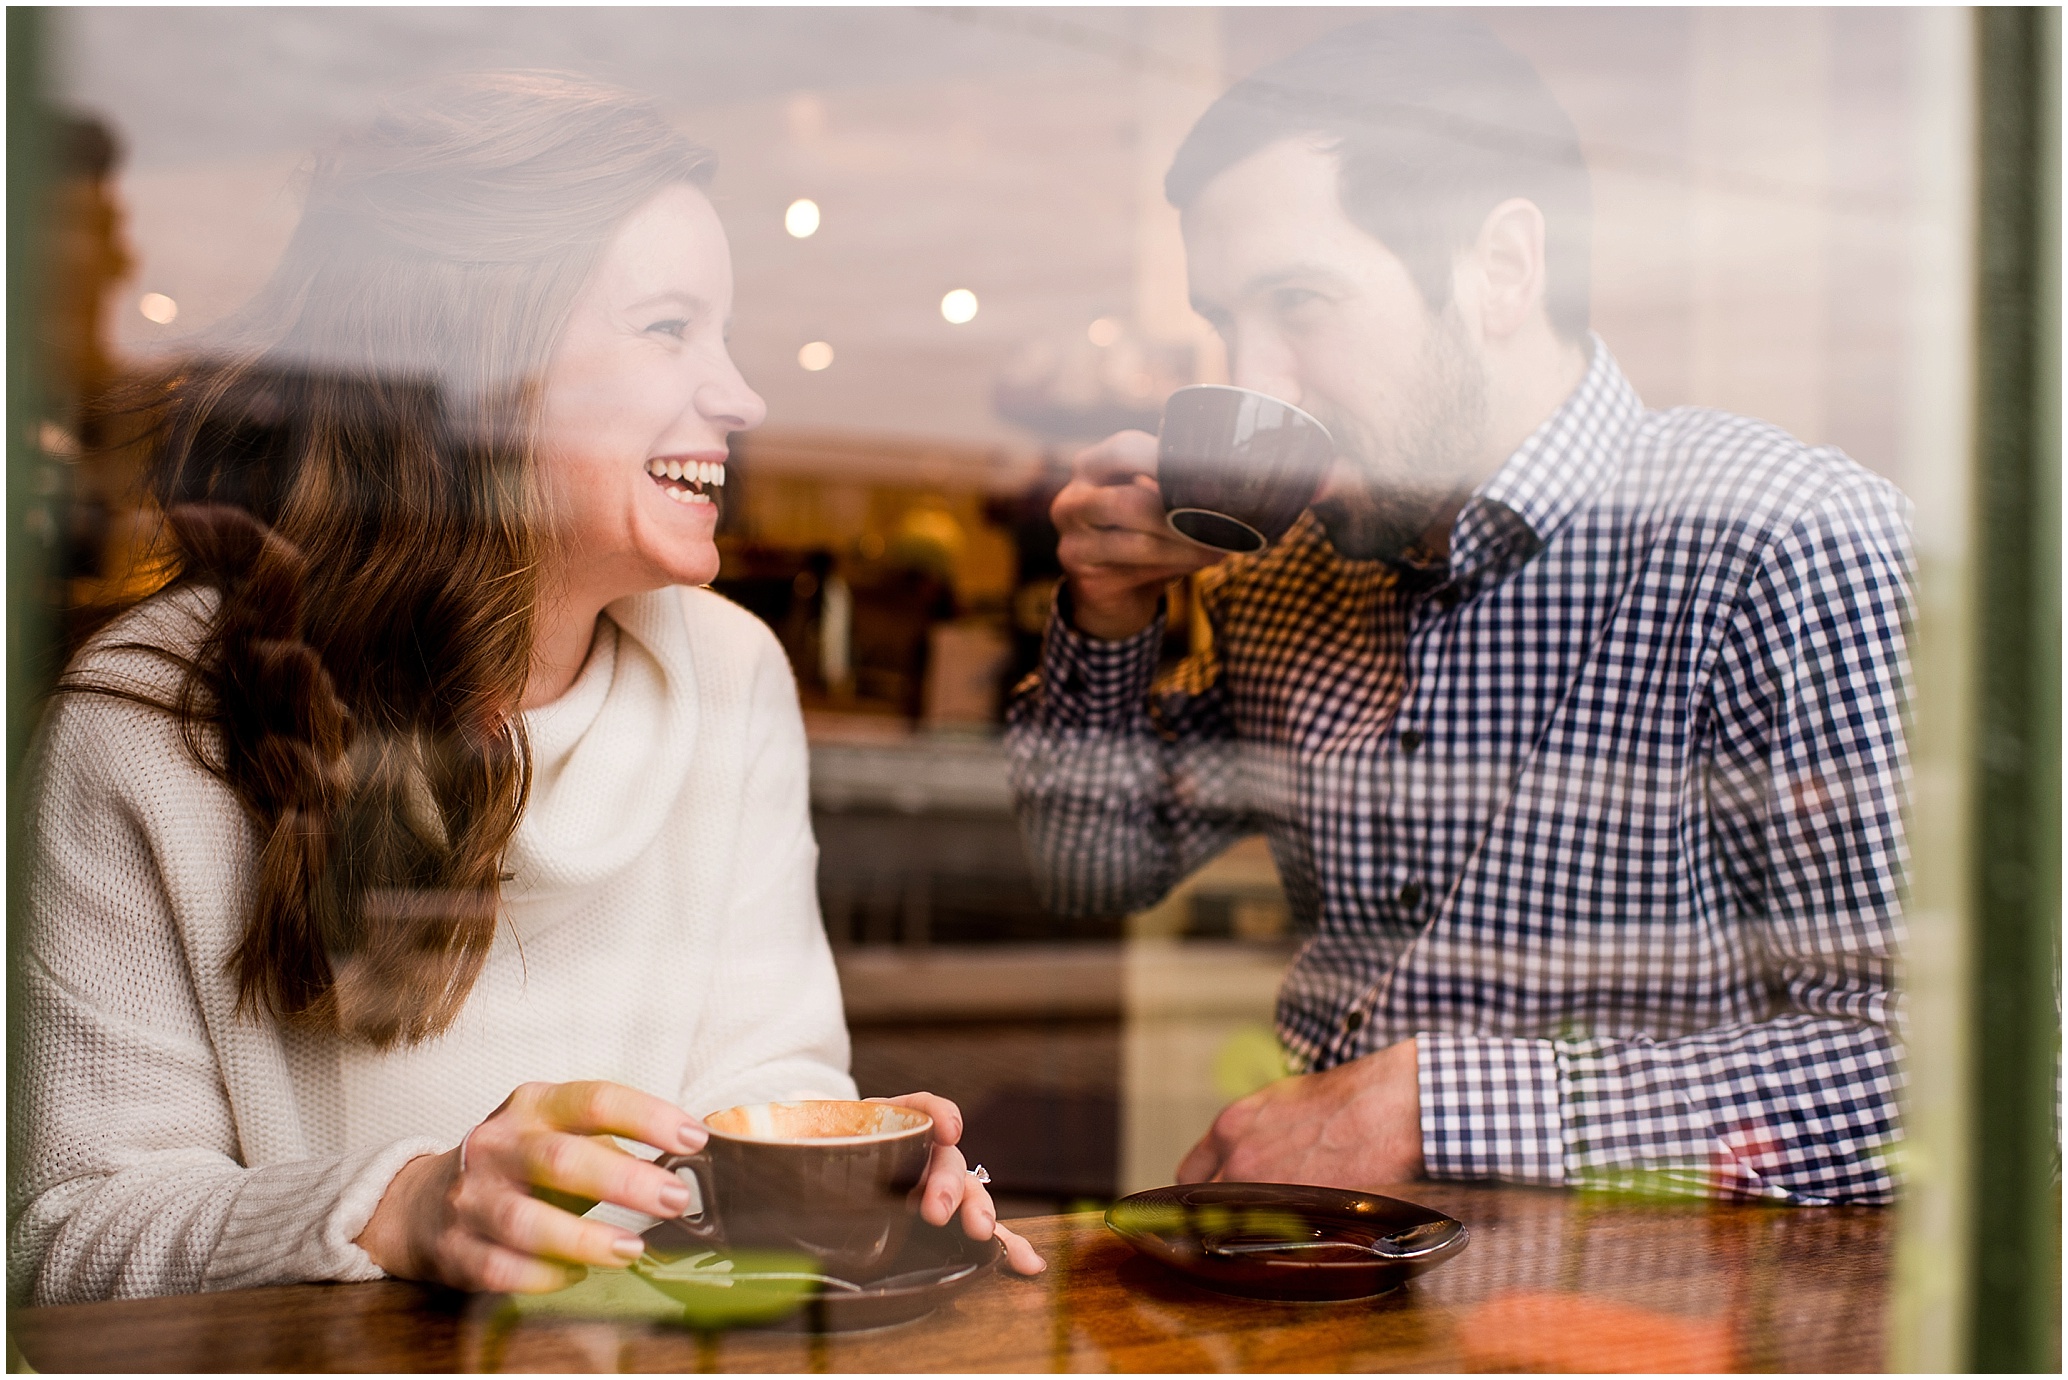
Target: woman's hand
x: 467, y: 1218
x: 950, y: 1187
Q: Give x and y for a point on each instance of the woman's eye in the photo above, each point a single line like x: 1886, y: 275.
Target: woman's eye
x: 1289, y: 301
x: 674, y: 326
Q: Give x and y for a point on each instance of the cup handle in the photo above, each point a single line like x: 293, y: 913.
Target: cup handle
x: 703, y: 1226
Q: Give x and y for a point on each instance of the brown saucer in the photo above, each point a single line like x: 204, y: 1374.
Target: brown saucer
x: 1287, y: 1241
x: 936, y: 1264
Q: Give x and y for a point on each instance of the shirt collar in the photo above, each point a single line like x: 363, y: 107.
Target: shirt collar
x: 1565, y: 462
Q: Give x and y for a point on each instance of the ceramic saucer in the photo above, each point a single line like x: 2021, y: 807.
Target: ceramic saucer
x: 1287, y: 1241
x: 936, y: 1264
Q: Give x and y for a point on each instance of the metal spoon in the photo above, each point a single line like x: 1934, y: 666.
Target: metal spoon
x: 725, y: 1279
x: 1273, y: 1247
x: 1408, y: 1241
x: 757, y: 1276
x: 932, y: 1274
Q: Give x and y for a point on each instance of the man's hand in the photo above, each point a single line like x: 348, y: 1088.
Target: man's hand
x: 1358, y: 1125
x: 1113, y: 542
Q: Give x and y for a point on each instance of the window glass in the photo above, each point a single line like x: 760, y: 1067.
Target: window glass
x: 1613, y: 758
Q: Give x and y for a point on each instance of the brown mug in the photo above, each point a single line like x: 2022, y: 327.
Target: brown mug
x: 1237, y: 467
x: 838, y: 1181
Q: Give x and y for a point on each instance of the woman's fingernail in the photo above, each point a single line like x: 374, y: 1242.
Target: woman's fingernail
x: 675, y: 1197
x: 691, y: 1136
x: 990, y: 1225
x: 630, y: 1247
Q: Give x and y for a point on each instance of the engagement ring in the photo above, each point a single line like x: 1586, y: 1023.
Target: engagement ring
x: 979, y: 1173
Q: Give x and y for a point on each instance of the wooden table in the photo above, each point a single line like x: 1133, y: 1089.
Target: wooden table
x: 1551, y: 1281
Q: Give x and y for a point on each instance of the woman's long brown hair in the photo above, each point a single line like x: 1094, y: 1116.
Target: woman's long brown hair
x: 356, y: 483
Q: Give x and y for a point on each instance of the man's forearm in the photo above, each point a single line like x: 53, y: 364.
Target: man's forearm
x: 1085, y: 802
x: 1800, y: 1108
x: 1092, y: 780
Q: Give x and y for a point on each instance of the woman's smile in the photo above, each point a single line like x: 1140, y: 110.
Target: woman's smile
x: 688, y: 479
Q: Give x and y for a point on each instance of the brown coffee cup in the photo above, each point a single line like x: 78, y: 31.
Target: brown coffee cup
x: 1237, y: 467
x: 838, y: 1181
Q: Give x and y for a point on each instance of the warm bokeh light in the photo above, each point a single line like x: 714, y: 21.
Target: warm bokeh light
x: 959, y: 306
x: 815, y: 356
x: 55, y: 440
x: 802, y: 219
x: 156, y: 306
x: 1104, y: 331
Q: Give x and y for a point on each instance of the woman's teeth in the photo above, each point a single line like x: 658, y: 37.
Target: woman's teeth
x: 687, y: 481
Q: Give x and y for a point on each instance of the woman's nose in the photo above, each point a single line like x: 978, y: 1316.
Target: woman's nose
x: 730, y: 403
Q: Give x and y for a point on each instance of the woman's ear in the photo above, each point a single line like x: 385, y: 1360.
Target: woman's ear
x: 1508, y: 262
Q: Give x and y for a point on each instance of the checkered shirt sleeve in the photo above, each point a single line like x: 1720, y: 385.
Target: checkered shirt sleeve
x: 1121, y: 791
x: 1808, y: 704
x: 1490, y: 1108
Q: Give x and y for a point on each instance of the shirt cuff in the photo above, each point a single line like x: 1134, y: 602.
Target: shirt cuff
x: 1089, y: 682
x: 1490, y: 1109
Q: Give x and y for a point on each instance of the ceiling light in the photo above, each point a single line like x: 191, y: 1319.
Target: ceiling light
x: 802, y: 219
x: 156, y: 306
x: 959, y: 306
x: 1104, y: 331
x: 815, y: 356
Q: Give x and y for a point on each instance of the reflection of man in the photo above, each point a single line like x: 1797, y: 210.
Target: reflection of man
x: 1575, y: 728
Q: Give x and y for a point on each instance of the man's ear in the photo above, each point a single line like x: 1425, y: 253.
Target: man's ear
x: 1508, y: 262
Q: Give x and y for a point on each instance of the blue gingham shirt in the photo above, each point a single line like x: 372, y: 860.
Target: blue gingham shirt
x: 1606, y: 812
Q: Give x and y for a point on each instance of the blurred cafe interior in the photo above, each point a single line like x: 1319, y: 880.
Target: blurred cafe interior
x: 956, y: 268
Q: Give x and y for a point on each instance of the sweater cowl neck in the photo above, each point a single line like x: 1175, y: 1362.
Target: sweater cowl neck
x: 610, y: 756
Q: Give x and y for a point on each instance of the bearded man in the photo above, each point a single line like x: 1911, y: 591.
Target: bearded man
x: 1575, y: 728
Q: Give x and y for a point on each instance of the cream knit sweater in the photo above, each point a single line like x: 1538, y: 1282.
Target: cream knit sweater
x: 661, y: 930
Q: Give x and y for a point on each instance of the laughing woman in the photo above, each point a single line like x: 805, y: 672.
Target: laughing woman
x: 431, y: 825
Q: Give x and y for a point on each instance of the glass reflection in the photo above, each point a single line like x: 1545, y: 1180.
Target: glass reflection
x: 1553, y: 766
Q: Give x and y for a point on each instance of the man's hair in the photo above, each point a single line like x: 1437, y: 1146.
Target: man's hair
x: 1435, y: 123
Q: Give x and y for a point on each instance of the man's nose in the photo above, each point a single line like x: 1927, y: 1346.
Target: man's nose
x: 1265, y: 371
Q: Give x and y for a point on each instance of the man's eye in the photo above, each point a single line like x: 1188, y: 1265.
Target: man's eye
x: 674, y: 326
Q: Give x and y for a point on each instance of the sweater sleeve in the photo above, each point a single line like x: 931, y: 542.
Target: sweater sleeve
x: 774, y: 1028
x: 129, y: 1174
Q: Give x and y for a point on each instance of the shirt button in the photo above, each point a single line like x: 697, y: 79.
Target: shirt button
x: 1353, y: 1022
x: 1410, y: 740
x: 1411, y: 895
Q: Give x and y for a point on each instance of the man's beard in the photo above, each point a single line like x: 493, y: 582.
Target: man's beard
x: 1414, y: 469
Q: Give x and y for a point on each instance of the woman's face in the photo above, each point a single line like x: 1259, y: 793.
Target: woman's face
x: 639, y: 396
